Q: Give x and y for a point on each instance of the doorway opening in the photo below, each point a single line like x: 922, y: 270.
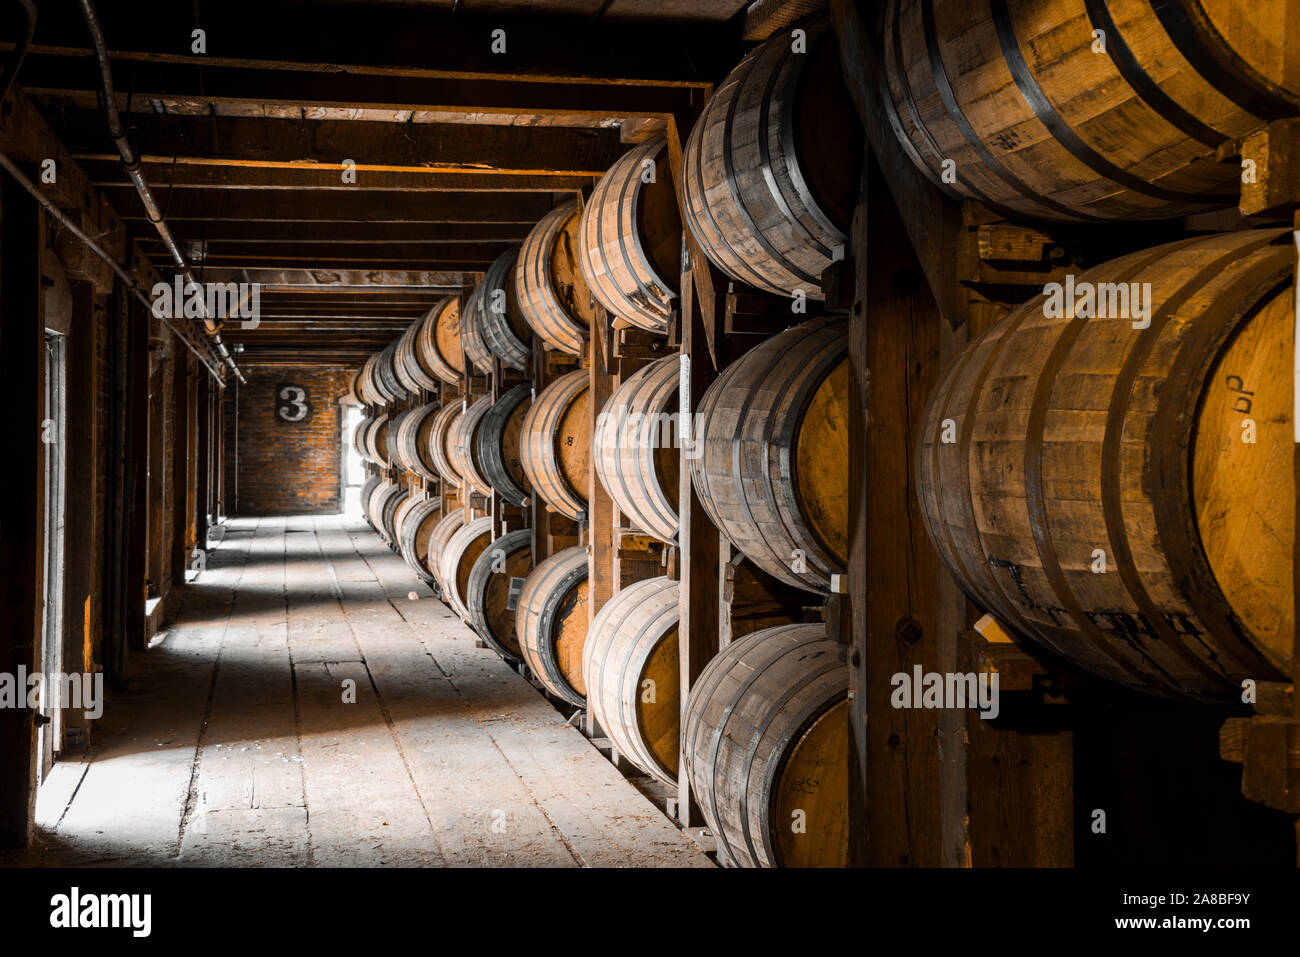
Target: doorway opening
x: 354, y: 470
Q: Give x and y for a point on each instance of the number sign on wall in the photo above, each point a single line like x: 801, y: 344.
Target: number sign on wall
x: 292, y: 404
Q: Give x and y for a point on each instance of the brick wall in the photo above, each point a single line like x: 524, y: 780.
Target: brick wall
x: 274, y: 466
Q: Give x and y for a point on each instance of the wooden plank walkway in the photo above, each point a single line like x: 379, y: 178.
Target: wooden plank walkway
x: 234, y: 744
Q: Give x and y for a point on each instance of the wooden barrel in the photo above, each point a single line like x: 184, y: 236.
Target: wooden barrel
x: 462, y: 445
x: 414, y: 531
x: 359, y: 437
x: 500, y: 322
x: 635, y: 449
x: 404, y: 506
x: 386, y: 380
x: 766, y: 746
x: 1038, y: 121
x: 378, y: 506
x: 769, y: 172
x: 396, y: 458
x: 630, y: 667
x: 471, y: 332
x: 392, y: 505
x: 366, y: 384
x: 552, y: 293
x: 437, y: 341
x: 556, y: 448
x: 411, y: 438
x: 363, y: 498
x: 771, y: 463
x: 498, y: 445
x: 354, y: 387
x: 1055, y: 444
x: 492, y: 590
x: 551, y: 622
x: 630, y: 238
x: 411, y: 367
x: 457, y: 559
x: 440, y: 439
x: 447, y: 526
x: 372, y: 440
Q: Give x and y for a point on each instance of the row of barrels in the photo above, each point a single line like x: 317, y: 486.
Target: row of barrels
x: 1141, y: 457
x: 765, y: 737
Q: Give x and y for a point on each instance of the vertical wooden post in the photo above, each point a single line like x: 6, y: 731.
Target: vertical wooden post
x: 600, y: 507
x: 697, y: 538
x: 893, y: 353
x: 203, y: 459
x: 80, y: 568
x: 180, y: 464
x: 21, y: 359
x: 135, y: 534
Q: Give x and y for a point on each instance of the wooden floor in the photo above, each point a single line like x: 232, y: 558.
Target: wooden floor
x: 233, y: 745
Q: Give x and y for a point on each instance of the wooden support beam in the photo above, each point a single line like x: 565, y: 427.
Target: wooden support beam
x: 21, y: 361
x: 358, y: 206
x: 180, y: 176
x: 601, y: 521
x: 697, y: 537
x: 894, y: 362
x: 178, y: 87
x: 383, y: 147
x: 270, y: 236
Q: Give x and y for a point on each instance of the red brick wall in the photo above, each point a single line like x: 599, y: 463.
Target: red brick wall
x: 274, y: 467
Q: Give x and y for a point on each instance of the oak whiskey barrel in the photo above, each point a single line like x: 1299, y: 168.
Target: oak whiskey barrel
x: 441, y: 435
x: 552, y: 293
x: 372, y: 440
x: 462, y: 445
x: 630, y: 667
x: 492, y: 590
x: 379, y: 503
x: 457, y: 559
x: 412, y: 440
x: 471, y: 332
x: 556, y: 449
x: 635, y: 449
x: 500, y: 322
x: 498, y: 438
x: 766, y: 746
x: 773, y: 453
x: 415, y: 530
x: 630, y: 238
x: 769, y: 176
x: 1125, y: 495
x: 363, y: 498
x: 437, y: 341
x: 366, y: 388
x: 386, y: 378
x: 442, y: 532
x: 390, y: 507
x: 1037, y: 118
x: 551, y: 623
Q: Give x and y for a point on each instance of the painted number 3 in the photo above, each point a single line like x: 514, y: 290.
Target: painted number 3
x: 296, y: 409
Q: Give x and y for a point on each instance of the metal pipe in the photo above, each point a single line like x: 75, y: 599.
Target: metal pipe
x: 132, y: 167
x: 128, y: 280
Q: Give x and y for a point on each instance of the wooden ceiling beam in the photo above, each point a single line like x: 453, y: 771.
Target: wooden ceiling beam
x: 328, y: 144
x: 74, y: 75
x: 358, y: 206
x: 165, y: 174
x: 378, y: 234
x: 353, y: 252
